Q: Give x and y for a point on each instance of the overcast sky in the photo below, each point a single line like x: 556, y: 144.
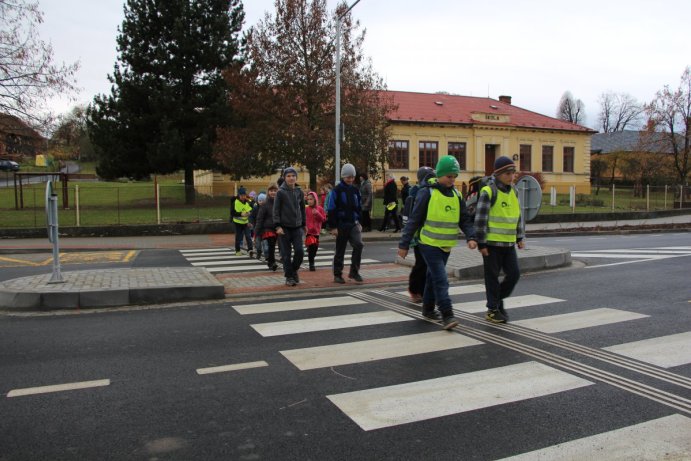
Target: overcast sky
x: 532, y: 51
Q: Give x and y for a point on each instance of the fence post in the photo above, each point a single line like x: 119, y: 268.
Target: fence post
x: 572, y: 198
x: 681, y: 196
x: 647, y: 197
x: 613, y: 190
x: 665, y: 197
x: 553, y: 196
x: 76, y: 203
x: 158, y: 203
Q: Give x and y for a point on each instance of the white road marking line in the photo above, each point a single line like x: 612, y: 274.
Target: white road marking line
x: 663, y: 438
x: 645, y: 251
x: 377, y: 349
x: 234, y: 367
x: 459, y: 290
x: 282, y: 306
x: 672, y: 248
x: 202, y: 250
x: 474, y: 307
x: 617, y: 256
x: 578, y: 320
x: 421, y: 400
x: 262, y: 266
x: 328, y: 323
x: 665, y: 351
x: 58, y: 388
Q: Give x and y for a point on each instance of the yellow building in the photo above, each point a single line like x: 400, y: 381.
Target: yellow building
x: 478, y: 130
x: 474, y: 130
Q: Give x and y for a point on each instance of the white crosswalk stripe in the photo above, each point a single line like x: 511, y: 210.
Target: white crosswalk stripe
x: 419, y: 400
x: 217, y: 260
x: 634, y: 255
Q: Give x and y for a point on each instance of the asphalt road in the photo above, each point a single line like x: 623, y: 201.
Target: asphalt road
x: 484, y: 392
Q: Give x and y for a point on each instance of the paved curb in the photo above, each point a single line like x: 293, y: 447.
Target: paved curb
x: 110, y: 288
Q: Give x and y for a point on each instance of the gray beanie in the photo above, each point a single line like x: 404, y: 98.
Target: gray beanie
x: 347, y: 170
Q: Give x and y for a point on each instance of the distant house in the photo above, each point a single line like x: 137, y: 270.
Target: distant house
x: 17, y: 139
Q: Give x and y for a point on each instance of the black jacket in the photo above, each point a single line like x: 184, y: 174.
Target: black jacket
x: 289, y: 207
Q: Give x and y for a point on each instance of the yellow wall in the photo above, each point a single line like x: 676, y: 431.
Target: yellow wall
x: 508, y: 140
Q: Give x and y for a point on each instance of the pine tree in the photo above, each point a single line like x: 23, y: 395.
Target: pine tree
x: 168, y: 96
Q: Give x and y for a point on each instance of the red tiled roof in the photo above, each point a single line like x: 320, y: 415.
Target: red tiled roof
x: 444, y: 108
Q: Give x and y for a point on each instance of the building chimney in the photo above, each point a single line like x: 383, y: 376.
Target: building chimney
x: 505, y: 99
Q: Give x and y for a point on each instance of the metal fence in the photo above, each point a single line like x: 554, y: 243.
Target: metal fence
x: 104, y: 204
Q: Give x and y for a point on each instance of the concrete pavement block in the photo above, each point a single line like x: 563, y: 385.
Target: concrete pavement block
x: 104, y: 298
x: 60, y: 300
x: 19, y: 300
x: 175, y: 294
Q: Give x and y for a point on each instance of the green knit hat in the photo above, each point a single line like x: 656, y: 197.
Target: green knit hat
x: 447, y: 165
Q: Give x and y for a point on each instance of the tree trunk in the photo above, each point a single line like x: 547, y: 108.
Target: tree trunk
x: 189, y: 185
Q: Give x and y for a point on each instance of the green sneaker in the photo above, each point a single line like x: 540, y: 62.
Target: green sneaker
x: 495, y: 316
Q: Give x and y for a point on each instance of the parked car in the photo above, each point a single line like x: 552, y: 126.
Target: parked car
x: 8, y: 165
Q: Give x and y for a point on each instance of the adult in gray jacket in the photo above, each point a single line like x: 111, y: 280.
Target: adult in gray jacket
x: 289, y: 220
x: 366, y: 196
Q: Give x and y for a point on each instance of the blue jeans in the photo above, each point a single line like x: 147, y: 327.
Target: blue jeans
x: 291, y: 240
x: 242, y: 231
x: 436, y: 283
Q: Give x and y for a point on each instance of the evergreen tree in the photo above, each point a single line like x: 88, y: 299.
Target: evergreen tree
x: 168, y: 96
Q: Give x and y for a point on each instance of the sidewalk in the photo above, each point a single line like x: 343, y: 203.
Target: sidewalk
x: 117, y: 287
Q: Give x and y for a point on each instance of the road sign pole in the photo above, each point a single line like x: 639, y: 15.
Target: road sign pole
x: 53, y: 235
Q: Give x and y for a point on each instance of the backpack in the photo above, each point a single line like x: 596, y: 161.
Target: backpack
x: 476, y: 184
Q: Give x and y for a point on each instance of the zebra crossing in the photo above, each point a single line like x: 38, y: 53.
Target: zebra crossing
x: 634, y: 255
x: 545, y: 372
x: 224, y: 260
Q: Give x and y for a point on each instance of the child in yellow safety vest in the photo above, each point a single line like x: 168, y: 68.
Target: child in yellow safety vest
x: 240, y: 212
x: 499, y: 231
x: 438, y: 213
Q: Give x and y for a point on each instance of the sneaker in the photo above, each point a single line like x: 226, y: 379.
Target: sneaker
x: 312, y: 268
x: 273, y: 267
x: 290, y: 282
x: 251, y: 253
x: 495, y: 316
x: 296, y: 277
x: 238, y: 253
x: 338, y: 279
x: 449, y: 322
x: 502, y: 310
x: 355, y: 277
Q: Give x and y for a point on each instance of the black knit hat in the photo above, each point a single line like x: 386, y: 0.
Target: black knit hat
x: 503, y: 164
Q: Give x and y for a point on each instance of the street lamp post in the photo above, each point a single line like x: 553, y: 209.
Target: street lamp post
x: 338, y: 89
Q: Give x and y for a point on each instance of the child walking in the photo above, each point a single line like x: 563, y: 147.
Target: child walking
x: 499, y: 232
x: 315, y: 217
x: 438, y: 212
x: 265, y: 226
x: 261, y: 199
x: 240, y: 212
x: 289, y: 220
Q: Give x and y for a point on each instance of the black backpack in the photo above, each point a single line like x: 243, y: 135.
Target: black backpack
x: 476, y: 184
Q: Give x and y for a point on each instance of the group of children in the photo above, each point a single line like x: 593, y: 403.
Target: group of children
x: 285, y: 216
x: 433, y: 213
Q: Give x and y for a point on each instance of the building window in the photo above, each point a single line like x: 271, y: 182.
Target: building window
x: 429, y: 152
x: 569, y: 153
x: 398, y: 155
x: 525, y: 162
x: 457, y: 149
x: 548, y: 159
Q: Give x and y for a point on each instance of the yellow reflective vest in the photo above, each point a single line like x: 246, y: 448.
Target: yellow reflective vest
x: 242, y: 208
x: 441, y: 224
x: 503, y: 216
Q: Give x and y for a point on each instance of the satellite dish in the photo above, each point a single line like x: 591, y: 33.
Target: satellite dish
x: 529, y: 196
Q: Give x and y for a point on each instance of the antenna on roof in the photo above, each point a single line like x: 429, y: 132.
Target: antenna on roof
x: 488, y: 90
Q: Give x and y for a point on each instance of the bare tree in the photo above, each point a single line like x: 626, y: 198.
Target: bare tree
x: 618, y: 111
x: 570, y: 109
x: 28, y: 76
x: 670, y: 113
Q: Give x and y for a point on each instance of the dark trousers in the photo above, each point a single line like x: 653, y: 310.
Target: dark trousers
x: 390, y: 215
x: 366, y: 220
x: 500, y: 258
x: 291, y: 242
x: 270, y: 251
x: 312, y: 251
x: 242, y: 231
x: 353, y: 236
x: 417, y: 277
x: 436, y: 282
